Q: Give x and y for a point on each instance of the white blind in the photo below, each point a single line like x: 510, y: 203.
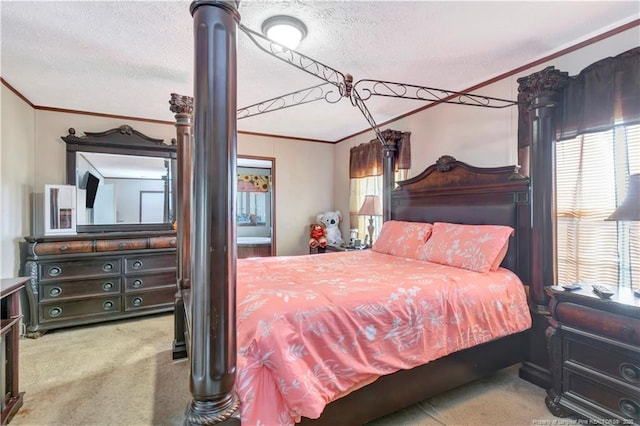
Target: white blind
x: 591, y: 172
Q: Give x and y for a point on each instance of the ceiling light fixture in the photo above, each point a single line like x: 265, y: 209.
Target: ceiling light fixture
x: 285, y: 30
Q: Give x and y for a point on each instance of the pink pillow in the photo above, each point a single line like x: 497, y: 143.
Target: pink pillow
x: 402, y: 238
x: 474, y: 247
x: 500, y: 257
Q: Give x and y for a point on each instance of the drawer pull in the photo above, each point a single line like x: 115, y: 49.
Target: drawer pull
x: 172, y: 242
x: 122, y: 245
x: 107, y: 286
x: 137, y: 264
x: 626, y: 331
x: 55, y: 271
x: 137, y: 283
x: 55, y: 291
x: 137, y: 301
x: 55, y: 312
x: 64, y: 247
x: 108, y: 305
x: 107, y: 267
x: 629, y: 408
x: 630, y: 372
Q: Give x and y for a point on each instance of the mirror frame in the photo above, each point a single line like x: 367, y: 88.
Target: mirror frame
x: 123, y: 140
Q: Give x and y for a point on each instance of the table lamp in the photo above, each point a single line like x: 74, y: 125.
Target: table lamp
x: 629, y: 210
x: 372, y: 206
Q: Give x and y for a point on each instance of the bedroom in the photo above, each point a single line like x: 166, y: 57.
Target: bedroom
x: 49, y: 125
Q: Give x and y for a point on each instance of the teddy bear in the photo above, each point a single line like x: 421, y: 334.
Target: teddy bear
x: 331, y: 221
x: 317, y: 235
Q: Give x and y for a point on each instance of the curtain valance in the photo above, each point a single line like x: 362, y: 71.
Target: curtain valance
x: 601, y: 95
x: 606, y: 92
x: 365, y: 160
x: 253, y: 183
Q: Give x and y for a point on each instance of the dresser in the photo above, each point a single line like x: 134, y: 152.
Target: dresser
x: 90, y: 278
x: 594, y: 348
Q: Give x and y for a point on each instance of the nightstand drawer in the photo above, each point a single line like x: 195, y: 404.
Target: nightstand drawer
x: 619, y: 363
x: 81, y: 308
x: 624, y: 404
x: 619, y: 327
x: 81, y: 269
x: 71, y: 289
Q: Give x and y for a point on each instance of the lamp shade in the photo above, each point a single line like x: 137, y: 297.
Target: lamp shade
x: 630, y: 207
x: 372, y: 206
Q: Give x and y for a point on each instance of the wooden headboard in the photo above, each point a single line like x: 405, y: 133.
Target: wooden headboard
x: 453, y: 191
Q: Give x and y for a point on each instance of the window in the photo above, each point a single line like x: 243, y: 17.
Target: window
x: 592, y: 171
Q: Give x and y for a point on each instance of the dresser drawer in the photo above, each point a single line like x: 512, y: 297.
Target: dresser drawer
x: 150, y: 299
x: 124, y: 244
x: 60, y: 247
x: 81, y: 308
x: 619, y: 363
x: 149, y: 263
x: 80, y: 269
x: 71, y: 289
x: 162, y: 242
x: 144, y: 282
x: 625, y: 329
x: 600, y: 393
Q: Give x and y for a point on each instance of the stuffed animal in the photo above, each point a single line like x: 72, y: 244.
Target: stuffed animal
x: 332, y: 221
x: 317, y: 235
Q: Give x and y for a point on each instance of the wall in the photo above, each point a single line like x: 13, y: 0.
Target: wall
x: 480, y: 137
x: 304, y: 182
x: 39, y: 159
x: 17, y: 169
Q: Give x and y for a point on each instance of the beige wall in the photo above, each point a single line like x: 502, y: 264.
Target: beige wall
x: 33, y: 154
x: 481, y: 137
x: 17, y: 147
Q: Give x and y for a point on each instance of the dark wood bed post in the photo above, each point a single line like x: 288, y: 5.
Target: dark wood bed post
x: 213, y: 254
x: 182, y: 107
x: 390, y: 150
x: 542, y: 91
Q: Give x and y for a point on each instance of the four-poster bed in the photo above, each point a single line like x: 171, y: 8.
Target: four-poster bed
x: 448, y: 191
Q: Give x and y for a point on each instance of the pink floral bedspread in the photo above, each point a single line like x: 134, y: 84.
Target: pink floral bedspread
x: 312, y: 327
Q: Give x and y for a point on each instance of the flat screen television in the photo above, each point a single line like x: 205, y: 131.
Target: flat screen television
x: 90, y: 182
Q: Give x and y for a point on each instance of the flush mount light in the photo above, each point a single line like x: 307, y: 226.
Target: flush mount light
x: 285, y: 30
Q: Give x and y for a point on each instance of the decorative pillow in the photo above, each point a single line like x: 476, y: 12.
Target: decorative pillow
x: 402, y: 238
x: 474, y: 247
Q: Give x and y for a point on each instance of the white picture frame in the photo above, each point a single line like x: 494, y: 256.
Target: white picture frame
x: 59, y: 209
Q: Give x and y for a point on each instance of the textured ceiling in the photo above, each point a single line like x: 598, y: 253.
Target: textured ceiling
x: 126, y: 57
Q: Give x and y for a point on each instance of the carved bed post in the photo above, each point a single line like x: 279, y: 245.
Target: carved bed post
x: 213, y: 255
x: 390, y: 150
x: 182, y: 106
x: 541, y: 90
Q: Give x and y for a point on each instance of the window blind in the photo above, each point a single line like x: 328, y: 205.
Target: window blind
x: 591, y: 176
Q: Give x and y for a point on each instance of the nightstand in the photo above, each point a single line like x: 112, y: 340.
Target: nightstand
x: 594, y: 348
x: 332, y: 249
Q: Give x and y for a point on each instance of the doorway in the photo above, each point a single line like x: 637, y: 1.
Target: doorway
x: 255, y: 207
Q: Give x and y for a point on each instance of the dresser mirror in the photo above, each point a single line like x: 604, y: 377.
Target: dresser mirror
x: 124, y: 180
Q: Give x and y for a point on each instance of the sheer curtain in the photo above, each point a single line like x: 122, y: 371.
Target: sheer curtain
x: 598, y: 147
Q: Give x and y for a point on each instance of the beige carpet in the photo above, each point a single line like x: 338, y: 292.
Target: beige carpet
x: 121, y: 373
